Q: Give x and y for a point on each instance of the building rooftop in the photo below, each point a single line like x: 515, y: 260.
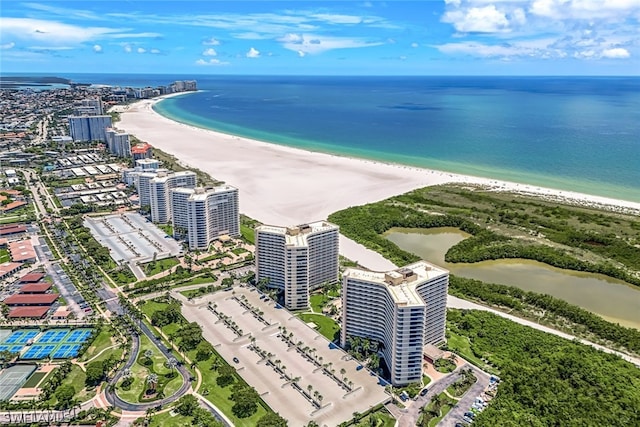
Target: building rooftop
x: 31, y: 277
x: 163, y: 176
x: 35, y: 288
x: 32, y: 312
x: 401, y: 282
x: 8, y: 267
x: 31, y: 299
x: 141, y: 148
x: 12, y: 229
x: 202, y: 193
x: 22, y: 251
x: 297, y: 236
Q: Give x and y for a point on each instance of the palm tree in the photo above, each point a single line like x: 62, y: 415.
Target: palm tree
x: 342, y: 372
x: 309, y: 388
x: 152, y: 381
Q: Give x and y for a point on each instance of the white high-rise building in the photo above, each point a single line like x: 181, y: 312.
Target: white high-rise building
x: 143, y: 185
x: 90, y: 107
x: 118, y: 143
x: 89, y: 128
x: 159, y: 197
x: 202, y: 215
x: 147, y: 164
x: 403, y: 309
x: 297, y: 259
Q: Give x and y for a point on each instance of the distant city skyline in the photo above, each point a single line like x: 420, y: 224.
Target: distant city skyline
x: 449, y: 37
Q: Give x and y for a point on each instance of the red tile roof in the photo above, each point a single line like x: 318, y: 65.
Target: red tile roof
x: 31, y: 299
x: 13, y: 205
x: 9, y: 267
x: 12, y: 229
x: 141, y: 148
x: 36, y: 312
x: 31, y: 277
x: 35, y: 288
x: 22, y: 251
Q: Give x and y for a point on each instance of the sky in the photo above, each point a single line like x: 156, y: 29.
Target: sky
x: 439, y: 37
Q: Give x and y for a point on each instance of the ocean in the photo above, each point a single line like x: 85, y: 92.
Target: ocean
x: 569, y: 133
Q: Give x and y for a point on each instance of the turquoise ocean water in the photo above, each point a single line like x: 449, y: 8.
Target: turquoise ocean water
x: 578, y: 134
x: 570, y: 133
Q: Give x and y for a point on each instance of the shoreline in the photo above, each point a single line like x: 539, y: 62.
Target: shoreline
x: 284, y: 185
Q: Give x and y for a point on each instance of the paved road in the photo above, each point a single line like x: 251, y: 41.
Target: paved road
x: 464, y: 405
x: 113, y: 398
x: 410, y: 415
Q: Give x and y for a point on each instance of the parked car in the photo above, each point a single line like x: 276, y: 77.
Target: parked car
x: 424, y: 391
x: 236, y: 360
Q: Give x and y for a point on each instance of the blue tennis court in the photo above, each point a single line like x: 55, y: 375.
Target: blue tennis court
x: 11, y: 348
x: 78, y: 336
x: 53, y: 336
x: 66, y: 350
x: 21, y: 336
x: 38, y: 351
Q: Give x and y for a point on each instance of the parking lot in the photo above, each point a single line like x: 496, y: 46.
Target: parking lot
x: 337, y: 404
x: 132, y: 239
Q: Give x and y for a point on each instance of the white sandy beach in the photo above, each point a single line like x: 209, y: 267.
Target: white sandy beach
x: 287, y: 186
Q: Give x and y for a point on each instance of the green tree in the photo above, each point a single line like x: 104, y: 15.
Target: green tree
x: 64, y: 394
x: 95, y: 373
x: 203, y: 351
x: 226, y: 375
x: 271, y: 419
x: 246, y: 400
x: 187, y: 404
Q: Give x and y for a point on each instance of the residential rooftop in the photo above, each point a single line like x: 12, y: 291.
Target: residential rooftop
x: 401, y: 282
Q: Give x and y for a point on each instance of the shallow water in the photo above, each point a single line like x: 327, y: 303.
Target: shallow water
x: 614, y: 300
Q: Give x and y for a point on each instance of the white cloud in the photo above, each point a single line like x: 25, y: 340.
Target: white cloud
x: 211, y: 42
x: 97, y: 48
x: 487, y: 19
x: 10, y: 45
x: 314, y: 44
x: 141, y: 50
x: 253, y: 53
x: 210, y: 52
x: 414, y: 45
x: 301, y: 54
x: 212, y: 61
x: 155, y: 51
x: 127, y: 48
x: 616, y: 52
x: 333, y: 18
x: 135, y: 35
x: 582, y: 29
x: 50, y: 32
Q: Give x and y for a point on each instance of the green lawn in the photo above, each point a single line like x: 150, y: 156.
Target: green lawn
x: 140, y: 372
x: 460, y: 345
x: 239, y: 251
x: 4, y: 255
x: 325, y: 325
x: 196, y: 281
x: 151, y: 306
x: 102, y: 341
x: 114, y: 353
x: 248, y: 233
x: 220, y: 396
x: 155, y: 267
x: 167, y: 228
x: 167, y: 420
x: 318, y: 301
x: 34, y: 379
